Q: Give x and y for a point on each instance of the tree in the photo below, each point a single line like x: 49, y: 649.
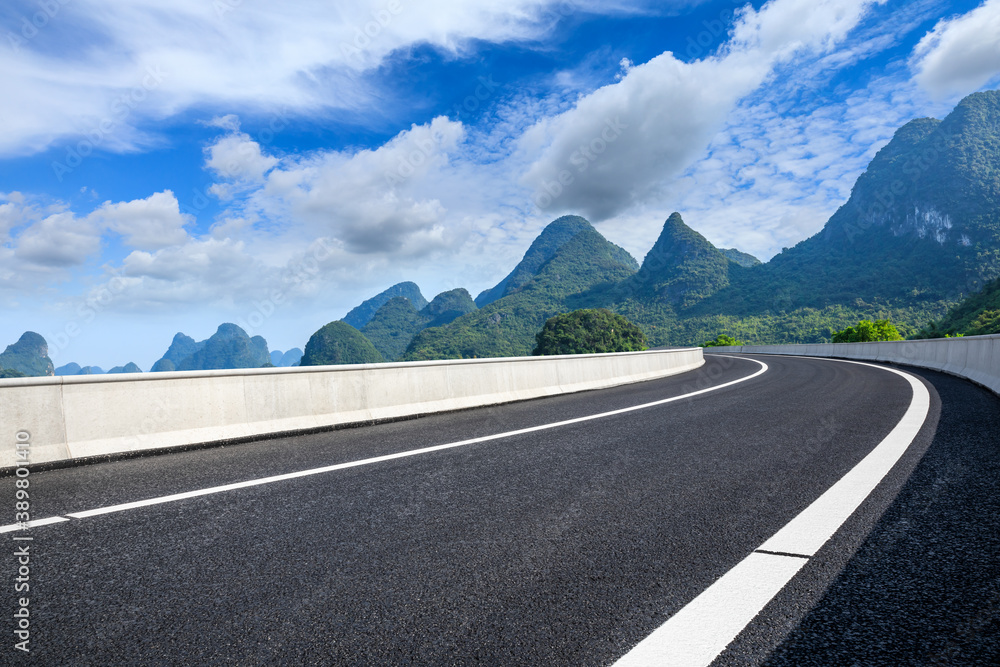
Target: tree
x: 339, y: 343
x: 867, y: 331
x: 588, y: 331
x: 722, y: 340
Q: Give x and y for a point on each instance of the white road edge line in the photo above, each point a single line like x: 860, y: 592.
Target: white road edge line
x: 697, y: 634
x: 10, y: 528
x: 378, y: 459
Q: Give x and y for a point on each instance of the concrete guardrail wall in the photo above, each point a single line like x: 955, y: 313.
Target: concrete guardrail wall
x: 974, y: 357
x: 75, y: 417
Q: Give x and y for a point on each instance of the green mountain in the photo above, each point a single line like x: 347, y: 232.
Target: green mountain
x: 576, y: 258
x: 393, y: 327
x: 977, y: 315
x: 284, y: 359
x: 130, y: 367
x: 681, y: 269
x: 922, y: 223
x: 181, y: 347
x: 746, y: 260
x: 448, y: 306
x: 553, y: 237
x: 339, y: 343
x: 228, y: 347
x: 398, y: 321
x: 361, y: 315
x: 28, y: 356
x: 72, y: 368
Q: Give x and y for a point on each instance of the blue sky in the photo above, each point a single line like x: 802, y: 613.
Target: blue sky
x: 169, y: 166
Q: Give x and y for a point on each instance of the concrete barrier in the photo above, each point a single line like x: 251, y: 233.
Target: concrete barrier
x: 75, y: 417
x: 976, y: 358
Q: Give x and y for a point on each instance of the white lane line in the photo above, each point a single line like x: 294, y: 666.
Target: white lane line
x: 699, y: 632
x: 389, y: 457
x: 10, y: 528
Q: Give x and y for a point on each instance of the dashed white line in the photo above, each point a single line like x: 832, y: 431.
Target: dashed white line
x: 699, y: 632
x: 378, y: 459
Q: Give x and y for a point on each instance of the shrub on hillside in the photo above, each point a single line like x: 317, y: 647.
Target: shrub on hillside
x: 588, y: 331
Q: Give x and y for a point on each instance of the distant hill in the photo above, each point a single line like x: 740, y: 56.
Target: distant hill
x: 395, y: 323
x: 130, y: 367
x: 543, y: 248
x: 574, y: 258
x: 362, y: 314
x: 289, y: 358
x: 72, y: 368
x: 28, y: 356
x: 339, y: 343
x: 977, y: 315
x: 744, y: 259
x: 181, y: 347
x: 228, y: 347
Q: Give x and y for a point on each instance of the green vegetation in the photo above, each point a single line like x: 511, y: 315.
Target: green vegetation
x: 977, y: 315
x: 29, y: 356
x: 722, y: 340
x: 339, y: 343
x: 680, y: 270
x: 393, y: 327
x: 10, y: 373
x: 507, y: 326
x: 555, y: 235
x: 588, y: 331
x: 746, y: 260
x: 181, y: 347
x: 361, y: 315
x: 446, y: 307
x: 228, y: 347
x: 397, y: 322
x: 867, y: 332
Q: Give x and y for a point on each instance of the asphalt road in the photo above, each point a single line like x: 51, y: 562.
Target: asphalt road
x: 564, y: 546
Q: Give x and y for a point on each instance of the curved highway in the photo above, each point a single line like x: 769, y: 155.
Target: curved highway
x: 561, y: 531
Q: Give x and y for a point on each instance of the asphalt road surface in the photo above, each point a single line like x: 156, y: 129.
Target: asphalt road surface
x: 565, y: 545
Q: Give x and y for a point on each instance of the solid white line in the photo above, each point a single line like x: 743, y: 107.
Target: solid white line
x: 698, y: 633
x: 10, y: 528
x: 389, y: 457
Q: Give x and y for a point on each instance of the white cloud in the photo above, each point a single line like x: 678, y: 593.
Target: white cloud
x: 962, y: 54
x: 60, y: 240
x: 147, y: 224
x: 373, y: 201
x: 618, y: 145
x: 132, y: 63
x: 239, y: 160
